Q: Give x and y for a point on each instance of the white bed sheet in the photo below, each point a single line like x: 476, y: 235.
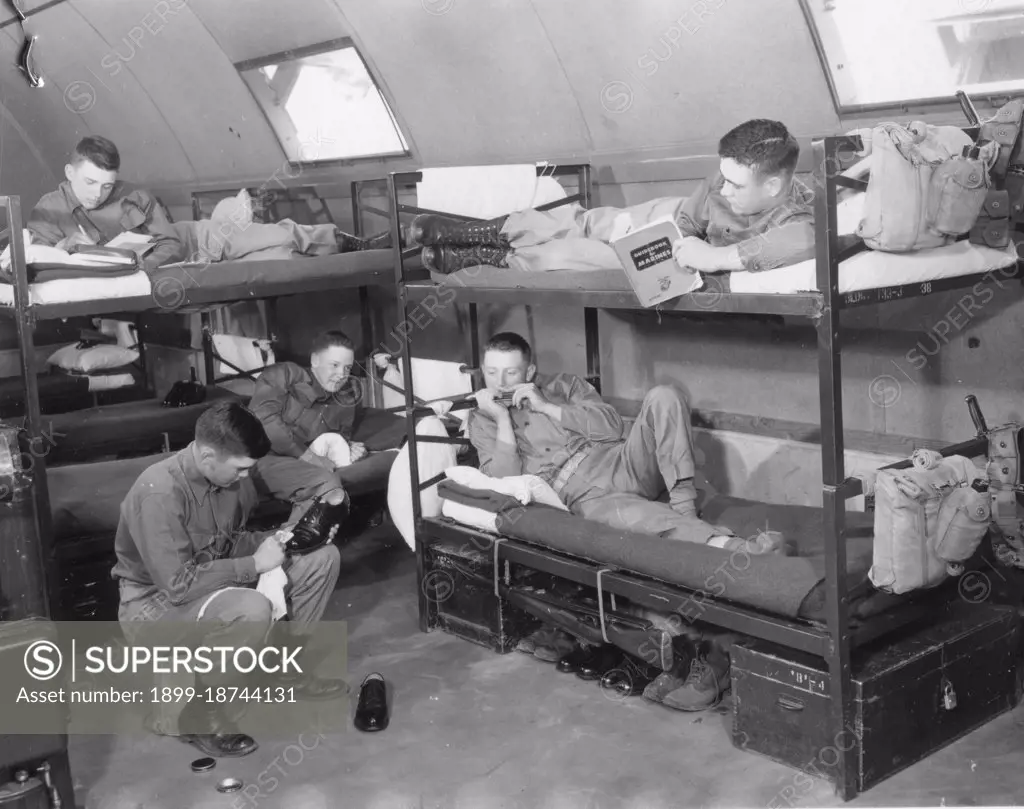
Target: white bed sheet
x: 872, y: 269
x: 70, y: 290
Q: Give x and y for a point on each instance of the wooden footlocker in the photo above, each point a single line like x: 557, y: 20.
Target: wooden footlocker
x: 913, y: 695
x: 458, y: 585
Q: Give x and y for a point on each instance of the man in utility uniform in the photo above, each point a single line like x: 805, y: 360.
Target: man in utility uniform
x: 323, y: 439
x: 559, y: 428
x: 184, y: 556
x: 92, y: 206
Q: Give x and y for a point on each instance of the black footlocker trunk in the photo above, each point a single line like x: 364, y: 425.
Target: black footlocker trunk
x: 458, y: 584
x: 26, y: 750
x: 913, y: 695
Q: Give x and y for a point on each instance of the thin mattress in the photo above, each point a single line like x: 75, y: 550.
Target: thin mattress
x: 169, y: 285
x: 105, y: 429
x: 864, y: 271
x: 791, y: 586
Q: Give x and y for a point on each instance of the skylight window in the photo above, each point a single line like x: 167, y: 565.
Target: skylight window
x: 323, y: 104
x: 889, y: 52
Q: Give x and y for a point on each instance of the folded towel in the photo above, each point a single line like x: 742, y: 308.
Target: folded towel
x: 272, y: 584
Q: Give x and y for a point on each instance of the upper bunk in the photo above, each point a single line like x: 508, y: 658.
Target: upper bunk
x: 843, y: 274
x: 180, y: 285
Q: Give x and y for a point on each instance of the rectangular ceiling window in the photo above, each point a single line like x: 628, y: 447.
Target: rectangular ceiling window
x: 888, y: 52
x: 323, y: 104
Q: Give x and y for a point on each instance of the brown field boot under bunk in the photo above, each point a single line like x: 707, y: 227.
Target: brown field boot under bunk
x: 430, y: 229
x: 447, y: 259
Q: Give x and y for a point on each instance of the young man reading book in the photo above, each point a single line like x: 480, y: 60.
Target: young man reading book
x: 93, y: 207
x: 753, y: 214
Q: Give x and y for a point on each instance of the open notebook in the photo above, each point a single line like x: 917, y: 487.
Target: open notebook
x: 646, y: 256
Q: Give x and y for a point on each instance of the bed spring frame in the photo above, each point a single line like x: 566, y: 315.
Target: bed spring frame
x: 269, y: 208
x: 835, y: 640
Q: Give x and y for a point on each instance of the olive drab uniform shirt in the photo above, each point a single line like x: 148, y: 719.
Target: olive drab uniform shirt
x: 774, y: 238
x: 295, y: 409
x: 543, y: 447
x: 59, y: 214
x: 181, y: 535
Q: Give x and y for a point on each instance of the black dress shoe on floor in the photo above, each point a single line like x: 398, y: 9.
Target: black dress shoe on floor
x: 604, y: 659
x: 372, y: 709
x: 630, y: 677
x: 211, y: 731
x: 578, y: 657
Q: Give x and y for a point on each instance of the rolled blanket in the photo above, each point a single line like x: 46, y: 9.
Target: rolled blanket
x: 477, y: 498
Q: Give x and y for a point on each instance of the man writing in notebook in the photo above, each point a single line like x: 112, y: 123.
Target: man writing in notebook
x: 753, y: 214
x: 92, y: 206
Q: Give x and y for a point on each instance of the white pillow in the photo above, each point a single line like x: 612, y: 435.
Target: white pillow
x: 101, y: 357
x: 433, y: 460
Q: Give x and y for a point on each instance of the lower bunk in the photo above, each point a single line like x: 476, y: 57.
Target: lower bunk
x: 136, y: 427
x: 64, y: 392
x: 85, y: 507
x: 927, y: 667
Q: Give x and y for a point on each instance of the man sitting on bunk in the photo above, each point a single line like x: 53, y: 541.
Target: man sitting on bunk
x: 322, y: 437
x: 559, y: 428
x: 753, y: 214
x: 183, y: 555
x: 92, y: 207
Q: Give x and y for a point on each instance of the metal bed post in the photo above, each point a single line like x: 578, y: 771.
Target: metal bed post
x: 593, y: 344
x: 590, y: 328
x: 366, y: 317
x: 832, y: 462
x: 30, y: 560
x: 406, y: 354
x: 206, y: 328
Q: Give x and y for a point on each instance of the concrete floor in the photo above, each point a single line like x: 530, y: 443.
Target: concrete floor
x: 471, y: 729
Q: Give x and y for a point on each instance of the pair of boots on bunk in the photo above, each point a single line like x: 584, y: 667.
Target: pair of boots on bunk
x: 698, y: 679
x: 450, y: 245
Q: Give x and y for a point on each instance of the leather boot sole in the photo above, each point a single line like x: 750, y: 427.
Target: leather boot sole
x: 205, y: 744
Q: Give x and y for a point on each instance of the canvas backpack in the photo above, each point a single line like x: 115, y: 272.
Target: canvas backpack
x: 926, y: 188
x: 929, y: 520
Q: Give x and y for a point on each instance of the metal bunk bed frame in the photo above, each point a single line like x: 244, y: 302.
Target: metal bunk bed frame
x: 833, y: 643
x: 371, y: 323
x: 31, y: 562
